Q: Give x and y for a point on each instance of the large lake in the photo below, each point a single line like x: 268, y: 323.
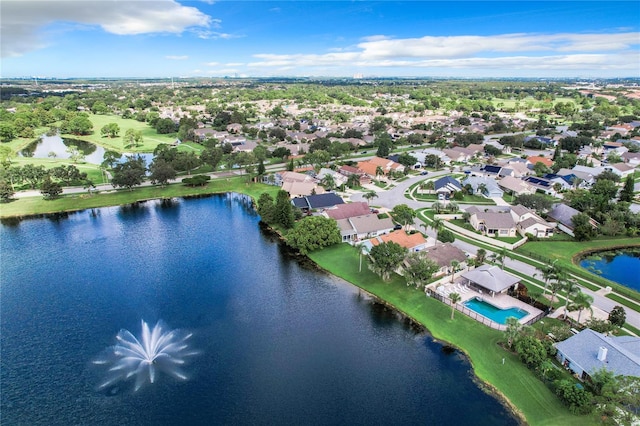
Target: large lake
x: 279, y: 343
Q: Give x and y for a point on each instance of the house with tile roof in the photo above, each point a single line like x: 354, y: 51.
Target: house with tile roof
x: 347, y: 210
x: 537, y: 159
x: 371, y: 166
x: 515, y: 186
x: 528, y: 222
x: 589, y: 351
x: 447, y: 185
x: 412, y: 242
x: 493, y: 223
x: 562, y: 214
x: 443, y: 254
x: 490, y: 278
x: 491, y: 188
x: 358, y: 228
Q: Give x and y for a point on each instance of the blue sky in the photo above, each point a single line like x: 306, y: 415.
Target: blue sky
x: 170, y: 38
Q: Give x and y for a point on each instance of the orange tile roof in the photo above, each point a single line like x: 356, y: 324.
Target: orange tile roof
x: 544, y: 160
x: 401, y: 238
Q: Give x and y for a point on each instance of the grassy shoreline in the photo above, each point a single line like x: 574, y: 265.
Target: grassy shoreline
x: 521, y: 391
x: 527, y: 397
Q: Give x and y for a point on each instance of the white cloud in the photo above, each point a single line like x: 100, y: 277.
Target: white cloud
x: 530, y: 51
x: 215, y: 35
x: 23, y: 22
x: 212, y: 64
x: 233, y: 64
x: 177, y: 57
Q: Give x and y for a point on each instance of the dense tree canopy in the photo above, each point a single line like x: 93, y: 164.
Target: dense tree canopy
x: 386, y: 257
x: 130, y: 173
x: 312, y: 233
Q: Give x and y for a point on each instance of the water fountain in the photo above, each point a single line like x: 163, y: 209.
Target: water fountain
x: 157, y: 350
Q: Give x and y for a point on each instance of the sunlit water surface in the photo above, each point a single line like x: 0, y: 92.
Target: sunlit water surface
x: 277, y: 343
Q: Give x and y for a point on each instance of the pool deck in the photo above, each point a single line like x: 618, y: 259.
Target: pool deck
x: 500, y: 300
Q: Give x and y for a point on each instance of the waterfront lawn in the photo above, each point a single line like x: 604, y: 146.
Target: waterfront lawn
x: 73, y: 202
x: 512, y: 379
x: 568, y: 252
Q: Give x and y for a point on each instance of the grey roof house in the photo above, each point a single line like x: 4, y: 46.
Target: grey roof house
x: 589, y: 351
x: 562, y: 214
x: 491, y: 278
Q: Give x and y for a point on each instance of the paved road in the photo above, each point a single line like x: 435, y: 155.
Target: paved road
x: 390, y: 198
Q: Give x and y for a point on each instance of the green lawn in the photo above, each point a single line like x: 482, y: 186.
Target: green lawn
x: 513, y: 380
x: 36, y: 205
x: 150, y: 136
x: 92, y: 170
x: 568, y: 252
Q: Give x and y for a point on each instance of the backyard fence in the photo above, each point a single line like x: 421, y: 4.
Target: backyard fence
x: 476, y: 316
x: 468, y: 312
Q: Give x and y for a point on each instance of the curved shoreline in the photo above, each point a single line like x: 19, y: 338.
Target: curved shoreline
x: 486, y: 385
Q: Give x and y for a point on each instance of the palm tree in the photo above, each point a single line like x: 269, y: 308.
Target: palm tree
x: 369, y: 195
x: 513, y: 330
x: 549, y: 272
x: 581, y: 301
x: 454, y: 268
x: 328, y: 182
x: 379, y: 171
x: 353, y: 181
x: 482, y: 187
x: 437, y: 225
x: 480, y: 255
x: 455, y: 298
x: 572, y: 288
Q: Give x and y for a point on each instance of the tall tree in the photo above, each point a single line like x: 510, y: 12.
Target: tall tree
x: 581, y: 301
x: 50, y: 189
x: 130, y: 173
x: 571, y: 288
x: 386, y: 257
x: 161, y: 172
x: 404, y: 215
x: 284, y: 210
x: 455, y: 298
x: 626, y: 194
x: 369, y: 195
x: 312, y: 233
x: 419, y: 269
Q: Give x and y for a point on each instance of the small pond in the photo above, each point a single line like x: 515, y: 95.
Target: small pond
x: 621, y: 266
x: 57, y: 147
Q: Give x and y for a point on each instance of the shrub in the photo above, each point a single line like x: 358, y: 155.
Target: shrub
x: 446, y: 236
x: 199, y: 180
x: 576, y: 398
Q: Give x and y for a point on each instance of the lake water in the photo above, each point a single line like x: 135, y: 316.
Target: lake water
x: 622, y: 266
x: 47, y: 145
x: 279, y: 343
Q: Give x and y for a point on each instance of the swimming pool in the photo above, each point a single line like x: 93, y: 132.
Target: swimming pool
x: 494, y: 313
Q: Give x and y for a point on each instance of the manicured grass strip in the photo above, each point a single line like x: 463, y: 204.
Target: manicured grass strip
x: 631, y: 328
x: 624, y: 302
x: 36, y: 205
x: 512, y: 379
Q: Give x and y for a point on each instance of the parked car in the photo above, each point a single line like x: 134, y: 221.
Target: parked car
x: 424, y: 173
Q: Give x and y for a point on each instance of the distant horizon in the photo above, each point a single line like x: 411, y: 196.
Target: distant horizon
x: 320, y: 39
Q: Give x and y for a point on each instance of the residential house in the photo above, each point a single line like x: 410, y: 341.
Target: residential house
x: 412, y: 242
x: 347, y: 210
x: 458, y: 155
x: 485, y: 186
x: 515, y: 186
x: 562, y: 214
x: 493, y: 223
x: 528, y: 222
x: 577, y: 178
x: 589, y: 351
x: 358, y: 228
x: 317, y: 202
x: 370, y: 166
x: 631, y: 158
x: 447, y: 185
x: 301, y: 189
x: 338, y: 178
x: 533, y: 160
x: 621, y: 169
x: 490, y: 279
x: 541, y: 184
x: 350, y: 170
x: 443, y: 254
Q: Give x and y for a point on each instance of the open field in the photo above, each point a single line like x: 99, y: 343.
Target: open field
x: 149, y: 134
x: 511, y: 379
